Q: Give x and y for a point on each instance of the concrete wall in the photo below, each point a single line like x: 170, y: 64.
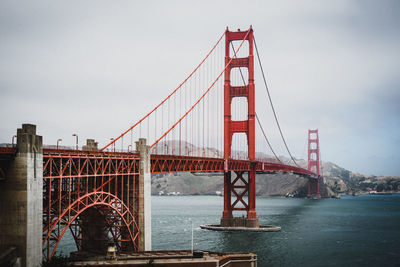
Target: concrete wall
x: 144, y: 195
x: 21, y: 199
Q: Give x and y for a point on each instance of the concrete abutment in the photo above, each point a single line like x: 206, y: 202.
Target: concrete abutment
x: 21, y: 199
x: 144, y: 195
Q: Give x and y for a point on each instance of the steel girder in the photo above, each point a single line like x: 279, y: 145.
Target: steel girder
x: 75, y: 181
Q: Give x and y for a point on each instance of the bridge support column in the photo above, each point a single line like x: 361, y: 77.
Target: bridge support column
x: 93, y: 233
x: 21, y: 199
x: 227, y: 214
x: 144, y: 195
x: 252, y: 219
x: 239, y: 187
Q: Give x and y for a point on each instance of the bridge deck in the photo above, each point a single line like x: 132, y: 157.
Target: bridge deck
x: 173, y: 163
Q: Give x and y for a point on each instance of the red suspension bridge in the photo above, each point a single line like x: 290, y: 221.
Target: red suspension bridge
x: 207, y: 124
x: 189, y: 121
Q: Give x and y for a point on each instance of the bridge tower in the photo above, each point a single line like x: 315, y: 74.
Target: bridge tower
x: 313, y: 163
x: 239, y: 183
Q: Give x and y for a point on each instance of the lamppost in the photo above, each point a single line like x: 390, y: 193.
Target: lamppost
x: 113, y: 143
x: 76, y: 140
x: 58, y: 141
x: 192, y: 234
x: 12, y: 141
x: 166, y: 147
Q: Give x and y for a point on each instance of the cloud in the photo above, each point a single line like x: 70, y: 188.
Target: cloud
x: 95, y: 67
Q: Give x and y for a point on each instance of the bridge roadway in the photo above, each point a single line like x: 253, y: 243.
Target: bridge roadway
x: 166, y: 163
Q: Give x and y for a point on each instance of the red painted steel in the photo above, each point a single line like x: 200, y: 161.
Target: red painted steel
x: 313, y: 163
x: 246, y: 126
x: 78, y: 184
x: 171, y: 163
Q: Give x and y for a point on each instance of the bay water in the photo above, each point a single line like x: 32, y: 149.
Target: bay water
x: 351, y: 231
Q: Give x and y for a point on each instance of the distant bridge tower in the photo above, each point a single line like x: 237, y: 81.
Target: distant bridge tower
x: 313, y: 163
x: 238, y: 186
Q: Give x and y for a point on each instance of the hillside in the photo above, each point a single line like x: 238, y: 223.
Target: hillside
x: 337, y: 180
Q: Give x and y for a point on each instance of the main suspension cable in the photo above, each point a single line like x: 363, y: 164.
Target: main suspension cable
x: 266, y: 139
x: 259, y: 124
x: 202, y: 95
x: 168, y: 97
x: 272, y: 105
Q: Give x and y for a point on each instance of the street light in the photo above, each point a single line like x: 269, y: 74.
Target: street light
x: 76, y: 140
x: 166, y: 147
x: 113, y: 143
x: 190, y: 219
x: 58, y: 141
x: 12, y: 141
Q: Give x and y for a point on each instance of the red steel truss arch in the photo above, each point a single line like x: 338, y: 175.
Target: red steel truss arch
x: 85, y: 202
x: 74, y: 182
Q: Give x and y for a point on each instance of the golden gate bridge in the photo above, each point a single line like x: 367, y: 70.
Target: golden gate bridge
x: 98, y: 193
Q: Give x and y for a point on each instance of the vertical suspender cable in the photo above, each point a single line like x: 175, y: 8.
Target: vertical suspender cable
x: 265, y: 136
x: 147, y: 116
x: 272, y: 105
x: 202, y: 95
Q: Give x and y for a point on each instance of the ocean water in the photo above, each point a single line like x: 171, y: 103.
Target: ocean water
x: 351, y: 231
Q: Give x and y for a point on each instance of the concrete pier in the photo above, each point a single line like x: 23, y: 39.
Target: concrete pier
x: 21, y: 199
x: 145, y: 195
x: 240, y: 222
x: 261, y: 228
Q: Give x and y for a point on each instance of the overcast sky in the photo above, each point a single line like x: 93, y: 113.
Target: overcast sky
x: 94, y: 67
